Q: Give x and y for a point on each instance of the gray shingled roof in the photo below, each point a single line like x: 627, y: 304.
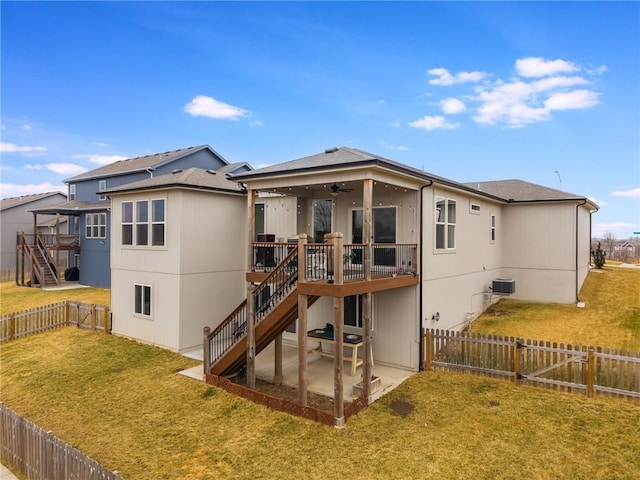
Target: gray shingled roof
x: 521, y: 191
x: 73, y: 207
x: 191, y: 177
x: 7, y: 203
x: 139, y: 164
x: 339, y: 157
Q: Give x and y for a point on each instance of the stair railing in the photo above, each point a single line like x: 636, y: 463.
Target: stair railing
x: 50, y: 262
x: 273, y: 289
x: 36, y: 268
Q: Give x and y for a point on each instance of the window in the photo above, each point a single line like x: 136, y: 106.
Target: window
x: 445, y: 216
x: 102, y: 186
x: 127, y: 223
x: 72, y: 191
x: 142, y: 295
x: 493, y: 228
x: 142, y: 222
x: 321, y: 219
x: 157, y: 222
x: 353, y: 311
x: 96, y: 225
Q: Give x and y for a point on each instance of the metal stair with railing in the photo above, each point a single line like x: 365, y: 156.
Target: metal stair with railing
x: 275, y: 302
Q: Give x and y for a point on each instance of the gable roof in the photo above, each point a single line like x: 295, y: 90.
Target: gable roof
x: 502, y: 190
x: 139, y: 164
x: 191, y: 178
x: 521, y: 191
x: 7, y: 203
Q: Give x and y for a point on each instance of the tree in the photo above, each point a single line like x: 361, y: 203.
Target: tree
x: 599, y: 256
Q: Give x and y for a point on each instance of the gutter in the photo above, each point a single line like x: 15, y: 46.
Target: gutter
x: 577, y: 227
x: 421, y: 342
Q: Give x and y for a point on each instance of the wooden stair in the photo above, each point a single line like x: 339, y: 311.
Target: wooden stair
x: 276, y: 321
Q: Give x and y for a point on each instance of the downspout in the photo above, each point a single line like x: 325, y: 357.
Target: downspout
x: 421, y: 343
x: 577, y: 228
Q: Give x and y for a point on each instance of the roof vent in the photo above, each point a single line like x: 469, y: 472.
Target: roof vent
x: 177, y: 170
x: 331, y: 150
x: 212, y: 172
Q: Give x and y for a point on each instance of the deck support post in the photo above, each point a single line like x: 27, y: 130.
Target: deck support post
x: 338, y: 333
x: 303, y: 376
x: 367, y: 307
x: 251, y: 339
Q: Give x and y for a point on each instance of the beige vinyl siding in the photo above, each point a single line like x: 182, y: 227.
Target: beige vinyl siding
x: 197, y: 278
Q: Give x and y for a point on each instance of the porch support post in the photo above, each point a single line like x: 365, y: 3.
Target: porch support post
x: 367, y: 354
x: 338, y: 386
x: 251, y: 227
x: 303, y: 378
x: 302, y: 258
x: 367, y: 219
x: 277, y: 378
x: 57, y: 243
x: 251, y: 338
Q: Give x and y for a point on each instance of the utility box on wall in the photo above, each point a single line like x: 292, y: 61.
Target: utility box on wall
x: 503, y: 286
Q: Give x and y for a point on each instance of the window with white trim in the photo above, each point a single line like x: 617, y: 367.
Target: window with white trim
x: 102, y: 186
x: 142, y: 300
x: 157, y: 222
x: 95, y: 225
x: 493, y: 228
x: 143, y: 223
x: 127, y: 223
x: 445, y: 223
x: 72, y: 191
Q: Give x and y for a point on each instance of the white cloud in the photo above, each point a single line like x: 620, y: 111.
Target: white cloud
x: 552, y: 83
x: 381, y: 102
x: 256, y: 123
x: 398, y: 148
x: 204, y: 106
x: 24, y: 149
x: 395, y: 123
x: 539, y: 67
x: 26, y: 127
x: 617, y: 228
x: 9, y: 190
x: 59, y: 168
x: 100, y: 144
x: 452, y: 105
x: 101, y: 159
x: 575, y: 99
x: 445, y: 78
x: 433, y: 123
x: 633, y: 193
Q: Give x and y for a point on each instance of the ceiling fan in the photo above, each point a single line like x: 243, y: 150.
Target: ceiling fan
x: 335, y: 190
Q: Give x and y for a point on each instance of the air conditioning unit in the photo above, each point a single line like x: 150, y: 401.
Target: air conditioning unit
x: 503, y: 286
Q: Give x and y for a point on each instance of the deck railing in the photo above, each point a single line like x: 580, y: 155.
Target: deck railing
x: 276, y: 286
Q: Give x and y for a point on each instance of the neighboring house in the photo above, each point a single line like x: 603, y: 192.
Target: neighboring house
x: 16, y: 216
x: 378, y: 249
x: 88, y: 207
x: 623, y: 251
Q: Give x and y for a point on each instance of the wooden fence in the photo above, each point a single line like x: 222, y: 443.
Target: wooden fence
x: 551, y: 365
x: 35, y: 320
x: 39, y: 455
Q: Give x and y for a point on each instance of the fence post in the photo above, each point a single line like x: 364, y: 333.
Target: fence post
x: 93, y: 316
x: 428, y: 349
x: 517, y: 367
x: 206, y: 351
x: 67, y: 315
x: 590, y: 372
x: 107, y: 320
x: 12, y: 326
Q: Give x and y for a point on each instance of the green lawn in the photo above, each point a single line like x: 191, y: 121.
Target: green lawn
x: 124, y: 404
x: 611, y: 317
x: 16, y: 299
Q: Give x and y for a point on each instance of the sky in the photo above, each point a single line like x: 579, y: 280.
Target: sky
x: 547, y: 93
